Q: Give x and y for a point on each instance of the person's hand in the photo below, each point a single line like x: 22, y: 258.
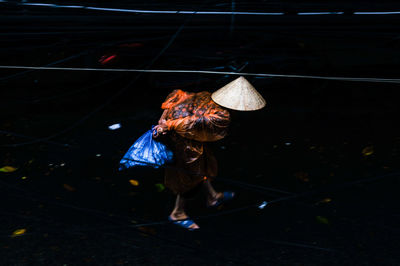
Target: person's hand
x: 161, y: 128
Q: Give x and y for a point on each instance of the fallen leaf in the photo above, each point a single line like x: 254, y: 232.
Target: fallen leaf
x: 326, y: 200
x: 323, y: 201
x: 24, y: 177
x: 18, y: 232
x: 131, y: 45
x: 302, y: 176
x: 147, y: 230
x: 160, y: 187
x: 322, y: 220
x: 368, y: 151
x: 69, y: 188
x: 8, y: 169
x: 87, y: 260
x: 134, y: 182
x: 120, y: 262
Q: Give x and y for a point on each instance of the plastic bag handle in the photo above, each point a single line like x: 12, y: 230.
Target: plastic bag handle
x: 154, y: 133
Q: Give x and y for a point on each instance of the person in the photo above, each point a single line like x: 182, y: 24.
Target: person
x: 190, y: 121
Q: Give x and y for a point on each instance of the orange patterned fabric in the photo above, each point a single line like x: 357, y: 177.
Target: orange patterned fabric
x: 196, y: 116
x: 193, y: 119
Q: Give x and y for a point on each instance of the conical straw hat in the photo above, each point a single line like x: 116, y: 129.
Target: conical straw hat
x: 239, y: 95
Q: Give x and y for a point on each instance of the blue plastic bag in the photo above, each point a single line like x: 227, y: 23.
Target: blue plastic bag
x: 146, y: 151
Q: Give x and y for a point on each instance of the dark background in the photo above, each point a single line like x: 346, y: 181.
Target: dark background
x: 334, y: 145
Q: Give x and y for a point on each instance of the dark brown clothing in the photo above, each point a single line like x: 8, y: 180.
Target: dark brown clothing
x: 193, y: 119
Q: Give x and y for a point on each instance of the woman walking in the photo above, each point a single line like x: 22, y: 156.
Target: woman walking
x: 189, y: 121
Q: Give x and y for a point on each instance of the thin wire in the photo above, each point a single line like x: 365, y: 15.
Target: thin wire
x: 110, y: 99
x: 50, y: 98
x: 190, y: 12
x: 121, y: 42
x: 28, y: 195
x: 55, y: 224
x: 376, y: 80
x: 51, y: 64
x: 81, y: 89
x: 286, y: 243
x: 293, y: 196
x: 28, y: 137
x: 350, y: 183
x: 299, y: 195
x: 168, y: 166
x: 232, y: 210
x: 252, y: 186
x: 100, y: 229
x: 220, y: 213
x: 78, y: 55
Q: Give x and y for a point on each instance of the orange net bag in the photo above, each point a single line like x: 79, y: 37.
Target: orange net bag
x: 195, y: 116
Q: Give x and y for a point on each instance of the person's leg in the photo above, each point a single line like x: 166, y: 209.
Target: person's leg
x: 178, y: 213
x: 212, y: 195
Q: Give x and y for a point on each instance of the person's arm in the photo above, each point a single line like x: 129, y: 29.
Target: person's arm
x: 181, y: 125
x: 161, y: 128
x: 172, y: 99
x: 163, y: 116
x: 200, y: 128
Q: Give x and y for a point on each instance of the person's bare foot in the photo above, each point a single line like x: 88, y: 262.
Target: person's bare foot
x: 212, y: 200
x: 182, y: 216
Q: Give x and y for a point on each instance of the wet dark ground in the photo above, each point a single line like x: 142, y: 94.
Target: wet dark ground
x: 87, y: 213
x: 328, y: 151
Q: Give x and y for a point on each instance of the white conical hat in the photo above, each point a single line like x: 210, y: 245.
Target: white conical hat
x: 239, y: 95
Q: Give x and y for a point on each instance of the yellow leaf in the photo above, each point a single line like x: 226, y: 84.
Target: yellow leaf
x: 18, y: 232
x: 69, y: 188
x: 160, y: 187
x: 134, y: 182
x: 368, y: 151
x: 302, y: 176
x: 322, y: 220
x: 8, y: 169
x: 326, y: 200
x: 24, y: 177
